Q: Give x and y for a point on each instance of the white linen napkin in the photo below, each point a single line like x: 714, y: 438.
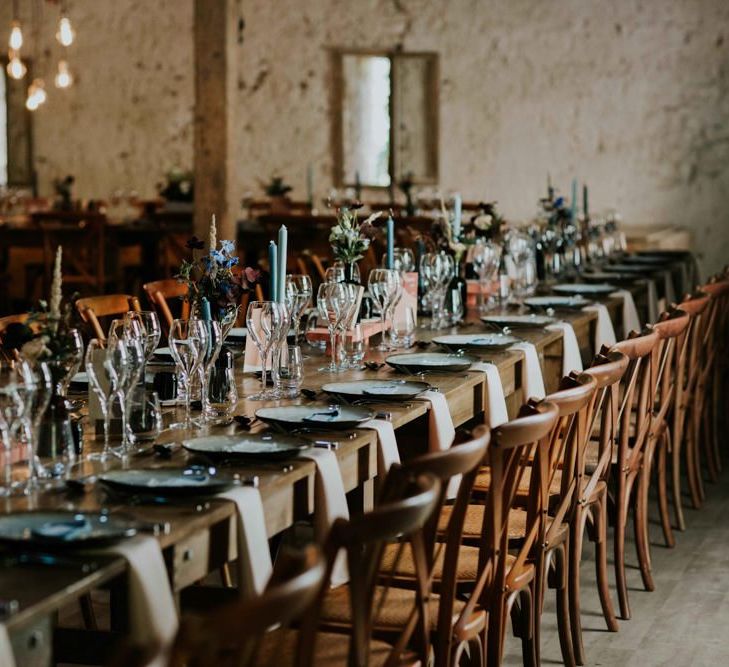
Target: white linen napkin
x: 254, y: 558
x: 441, y: 431
x: 571, y: 358
x: 496, y: 413
x: 387, y: 451
x: 604, y: 331
x: 7, y: 658
x: 652, y: 301
x: 631, y: 321
x: 330, y: 502
x: 152, y: 612
x: 532, y: 381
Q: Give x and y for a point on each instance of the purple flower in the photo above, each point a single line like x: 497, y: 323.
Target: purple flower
x: 195, y: 243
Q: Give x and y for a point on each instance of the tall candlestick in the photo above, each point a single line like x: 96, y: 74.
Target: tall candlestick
x: 206, y: 316
x: 357, y: 186
x: 457, y: 207
x: 213, y: 238
x: 585, y: 207
x: 310, y: 184
x: 390, y: 242
x: 283, y: 239
x: 573, y: 201
x: 272, y: 270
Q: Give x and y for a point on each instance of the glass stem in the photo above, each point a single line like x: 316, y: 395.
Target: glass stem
x: 333, y: 346
x: 264, y: 354
x: 124, y: 425
x: 107, y: 419
x: 188, y: 396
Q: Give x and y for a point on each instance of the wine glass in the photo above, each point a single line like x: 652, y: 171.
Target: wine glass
x: 383, y: 285
x: 437, y: 269
x: 103, y: 365
x: 331, y: 302
x: 152, y: 331
x: 36, y: 390
x: 350, y: 311
x: 187, y: 343
x: 213, y: 345
x: 334, y: 273
x: 403, y: 260
x: 265, y: 320
x: 485, y: 263
x: 11, y: 412
x: 298, y: 295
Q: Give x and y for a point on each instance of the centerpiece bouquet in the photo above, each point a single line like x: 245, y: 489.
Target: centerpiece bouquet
x: 350, y: 238
x: 215, y: 280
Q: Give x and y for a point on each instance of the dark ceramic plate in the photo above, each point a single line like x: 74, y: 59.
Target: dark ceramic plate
x: 248, y: 446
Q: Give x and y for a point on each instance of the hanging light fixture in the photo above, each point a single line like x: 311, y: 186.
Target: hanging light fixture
x: 16, y: 69
x: 65, y: 34
x: 64, y: 78
x: 16, y: 35
x: 36, y: 95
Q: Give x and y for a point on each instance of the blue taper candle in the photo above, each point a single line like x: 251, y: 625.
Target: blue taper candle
x: 206, y: 310
x: 390, y: 242
x: 573, y: 201
x: 272, y: 270
x: 283, y: 240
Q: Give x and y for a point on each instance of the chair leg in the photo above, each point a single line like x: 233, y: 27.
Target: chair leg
x: 495, y: 636
x: 529, y: 604
x: 697, y: 456
x: 563, y: 607
x: 676, y: 480
x: 601, y: 567
x: 716, y: 414
x: 577, y: 532
x: 708, y: 442
x: 640, y: 526
x: 663, y: 445
x: 87, y: 612
x: 621, y: 520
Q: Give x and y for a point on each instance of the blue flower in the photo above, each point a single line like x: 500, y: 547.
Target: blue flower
x: 559, y: 202
x: 227, y: 247
x: 232, y: 261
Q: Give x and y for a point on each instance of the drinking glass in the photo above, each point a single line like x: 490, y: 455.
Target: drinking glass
x: 334, y: 273
x: 384, y: 286
x: 151, y: 329
x: 298, y: 297
x: 310, y: 334
x: 103, y: 366
x: 187, y: 344
x: 403, y: 327
x: 211, y: 350
x: 64, y: 370
x: 331, y: 300
x: 265, y: 320
x: 348, y: 319
x: 145, y: 413
x: 288, y: 371
x: 403, y: 260
x: 521, y: 250
x: 485, y: 259
x: 11, y: 412
x: 438, y: 269
x: 353, y: 347
x: 36, y: 390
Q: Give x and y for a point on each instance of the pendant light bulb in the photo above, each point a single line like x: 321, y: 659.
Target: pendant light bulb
x: 64, y: 78
x: 16, y: 69
x: 65, y: 34
x: 36, y: 95
x: 16, y: 36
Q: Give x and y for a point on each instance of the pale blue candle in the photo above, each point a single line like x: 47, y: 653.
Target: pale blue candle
x: 309, y: 184
x: 206, y: 315
x: 272, y: 270
x: 283, y: 239
x: 573, y: 201
x: 457, y: 207
x: 390, y: 242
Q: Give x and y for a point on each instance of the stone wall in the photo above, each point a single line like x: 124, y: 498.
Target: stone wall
x: 630, y: 96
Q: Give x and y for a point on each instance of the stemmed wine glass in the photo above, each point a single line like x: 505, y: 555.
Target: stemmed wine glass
x: 384, y: 286
x: 437, y: 270
x: 211, y: 350
x: 11, y: 412
x: 265, y: 321
x: 347, y: 320
x: 331, y: 301
x: 105, y: 368
x: 151, y: 330
x: 403, y: 260
x: 187, y: 341
x: 485, y: 259
x: 298, y: 296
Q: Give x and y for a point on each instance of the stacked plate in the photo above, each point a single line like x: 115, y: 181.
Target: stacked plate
x: 483, y: 341
x: 591, y: 289
x: 532, y: 321
x: 246, y: 447
x: 556, y: 302
x: 391, y: 390
x: 335, y: 417
x: 430, y: 362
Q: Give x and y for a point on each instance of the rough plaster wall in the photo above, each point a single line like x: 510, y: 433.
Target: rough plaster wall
x: 630, y: 96
x: 128, y: 117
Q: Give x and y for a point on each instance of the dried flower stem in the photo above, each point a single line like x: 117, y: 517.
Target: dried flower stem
x: 56, y: 294
x: 213, y: 242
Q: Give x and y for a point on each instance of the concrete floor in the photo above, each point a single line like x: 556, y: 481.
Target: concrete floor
x: 684, y: 622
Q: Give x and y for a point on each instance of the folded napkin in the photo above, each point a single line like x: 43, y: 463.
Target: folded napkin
x: 652, y: 301
x: 631, y: 321
x: 254, y: 557
x: 152, y: 611
x: 387, y: 451
x: 496, y: 413
x: 7, y: 659
x: 604, y: 331
x: 532, y: 381
x: 441, y: 431
x: 669, y: 291
x: 330, y: 502
x: 571, y: 358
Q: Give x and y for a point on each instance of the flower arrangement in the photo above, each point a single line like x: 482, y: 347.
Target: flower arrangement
x: 488, y: 223
x: 178, y: 186
x: 444, y: 238
x: 50, y: 330
x: 216, y: 276
x: 276, y: 187
x: 350, y: 238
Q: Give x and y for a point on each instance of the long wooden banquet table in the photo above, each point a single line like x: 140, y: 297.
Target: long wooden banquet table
x: 198, y: 537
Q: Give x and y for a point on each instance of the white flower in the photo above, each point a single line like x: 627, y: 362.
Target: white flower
x: 213, y: 239
x: 36, y: 348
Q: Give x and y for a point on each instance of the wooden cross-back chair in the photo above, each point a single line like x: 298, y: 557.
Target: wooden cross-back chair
x: 670, y: 362
x: 591, y: 497
x: 367, y: 606
x: 451, y: 569
x: 94, y: 307
x: 161, y: 293
x: 689, y: 408
x: 631, y: 464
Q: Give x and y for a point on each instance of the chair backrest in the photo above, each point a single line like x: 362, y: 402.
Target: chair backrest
x: 232, y: 634
x: 697, y: 306
x: 401, y: 515
x: 513, y: 446
x: 638, y: 392
x: 464, y: 459
x: 607, y: 368
x: 160, y: 292
x: 92, y: 308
